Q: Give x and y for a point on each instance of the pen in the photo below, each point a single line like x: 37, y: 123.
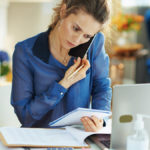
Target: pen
x: 76, y: 71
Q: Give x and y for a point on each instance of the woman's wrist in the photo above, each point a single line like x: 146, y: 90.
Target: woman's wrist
x: 64, y: 84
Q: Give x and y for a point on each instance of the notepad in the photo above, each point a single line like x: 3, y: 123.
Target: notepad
x: 73, y: 117
x: 38, y: 137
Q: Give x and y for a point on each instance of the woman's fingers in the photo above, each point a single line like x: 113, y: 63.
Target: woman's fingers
x: 77, y: 63
x: 75, y: 66
x: 75, y: 73
x: 92, y: 124
x: 88, y: 124
x: 86, y: 64
x: 82, y: 72
x: 85, y: 124
x: 98, y: 123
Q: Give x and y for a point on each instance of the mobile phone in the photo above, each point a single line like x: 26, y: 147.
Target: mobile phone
x: 82, y: 49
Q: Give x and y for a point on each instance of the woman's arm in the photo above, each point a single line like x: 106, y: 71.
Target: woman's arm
x: 101, y: 90
x: 28, y: 106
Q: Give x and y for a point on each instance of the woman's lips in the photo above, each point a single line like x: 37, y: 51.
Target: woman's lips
x: 71, y: 44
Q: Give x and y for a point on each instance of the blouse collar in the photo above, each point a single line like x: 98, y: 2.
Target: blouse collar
x: 41, y: 46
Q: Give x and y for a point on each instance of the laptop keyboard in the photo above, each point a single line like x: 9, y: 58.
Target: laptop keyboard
x: 101, y: 139
x: 106, y: 143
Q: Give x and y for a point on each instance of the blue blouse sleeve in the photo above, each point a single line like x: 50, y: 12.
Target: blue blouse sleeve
x: 28, y: 106
x: 101, y: 89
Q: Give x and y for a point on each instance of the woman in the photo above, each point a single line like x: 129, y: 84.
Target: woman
x: 42, y: 90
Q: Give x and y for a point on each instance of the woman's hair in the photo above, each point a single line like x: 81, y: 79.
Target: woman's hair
x: 99, y: 9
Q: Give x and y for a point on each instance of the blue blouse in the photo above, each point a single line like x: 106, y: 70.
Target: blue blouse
x: 38, y: 98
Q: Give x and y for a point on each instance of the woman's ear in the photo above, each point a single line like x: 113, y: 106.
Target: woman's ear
x: 63, y: 11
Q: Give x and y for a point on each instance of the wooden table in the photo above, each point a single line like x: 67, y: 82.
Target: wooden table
x: 125, y: 51
x: 118, y: 56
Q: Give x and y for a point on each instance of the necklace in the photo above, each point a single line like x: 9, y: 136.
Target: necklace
x: 66, y: 59
x: 56, y: 52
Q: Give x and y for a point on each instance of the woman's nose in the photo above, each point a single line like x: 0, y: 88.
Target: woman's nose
x: 77, y: 39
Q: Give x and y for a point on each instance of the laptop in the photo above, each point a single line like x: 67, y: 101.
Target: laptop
x: 128, y: 100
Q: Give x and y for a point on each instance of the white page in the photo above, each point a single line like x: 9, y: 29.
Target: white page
x: 81, y: 135
x: 38, y: 137
x: 73, y: 118
x: 107, y: 129
x: 2, y: 147
x: 78, y: 134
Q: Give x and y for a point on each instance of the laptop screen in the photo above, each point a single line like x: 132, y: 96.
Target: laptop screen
x: 128, y: 100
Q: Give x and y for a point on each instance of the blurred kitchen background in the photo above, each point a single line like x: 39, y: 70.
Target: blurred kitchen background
x: 129, y: 52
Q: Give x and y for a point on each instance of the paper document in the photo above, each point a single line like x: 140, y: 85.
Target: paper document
x: 37, y: 137
x: 73, y: 117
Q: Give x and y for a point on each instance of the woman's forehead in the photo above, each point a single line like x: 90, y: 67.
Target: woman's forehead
x: 85, y: 21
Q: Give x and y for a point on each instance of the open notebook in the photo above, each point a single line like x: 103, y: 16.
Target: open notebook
x: 38, y: 137
x: 73, y: 117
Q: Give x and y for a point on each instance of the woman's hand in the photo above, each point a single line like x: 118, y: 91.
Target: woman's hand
x: 92, y: 124
x: 81, y: 74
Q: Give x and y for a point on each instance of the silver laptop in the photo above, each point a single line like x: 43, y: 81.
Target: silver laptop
x: 128, y: 100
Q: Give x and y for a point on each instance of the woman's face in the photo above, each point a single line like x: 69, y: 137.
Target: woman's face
x: 77, y: 29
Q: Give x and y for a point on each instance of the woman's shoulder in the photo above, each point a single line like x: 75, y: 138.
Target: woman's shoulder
x: 29, y: 42
x: 24, y: 48
x: 97, y: 47
x: 34, y: 46
x: 98, y: 41
x: 99, y: 37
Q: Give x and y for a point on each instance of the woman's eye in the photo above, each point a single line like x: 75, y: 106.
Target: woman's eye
x: 75, y: 28
x: 87, y: 36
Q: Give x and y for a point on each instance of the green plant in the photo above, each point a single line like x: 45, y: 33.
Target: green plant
x: 4, y: 65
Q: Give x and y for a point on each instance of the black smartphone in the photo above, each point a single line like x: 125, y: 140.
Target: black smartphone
x: 81, y: 50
